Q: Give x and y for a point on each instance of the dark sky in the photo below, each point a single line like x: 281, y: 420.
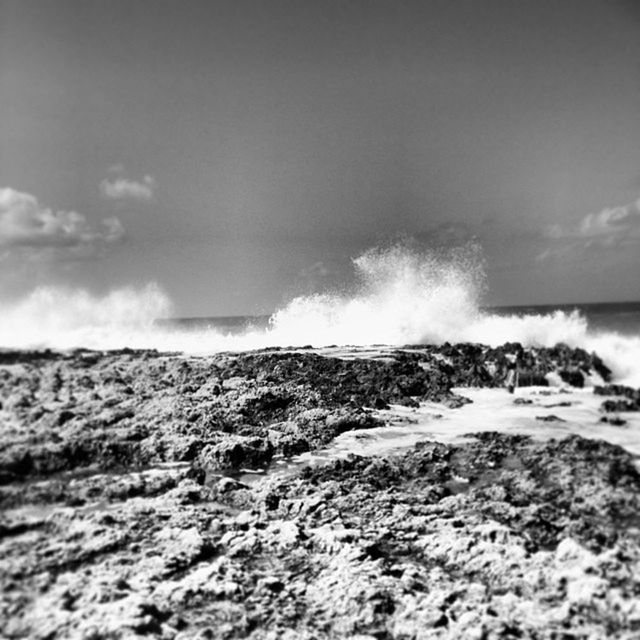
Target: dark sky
x: 240, y: 152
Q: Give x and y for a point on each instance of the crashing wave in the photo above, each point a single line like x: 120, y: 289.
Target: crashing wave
x: 401, y: 296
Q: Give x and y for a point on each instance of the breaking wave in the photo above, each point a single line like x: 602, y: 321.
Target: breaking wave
x: 62, y: 318
x: 401, y: 296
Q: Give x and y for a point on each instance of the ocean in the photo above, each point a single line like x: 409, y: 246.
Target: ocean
x: 616, y: 317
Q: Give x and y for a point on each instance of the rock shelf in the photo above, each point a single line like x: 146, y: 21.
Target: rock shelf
x: 123, y: 513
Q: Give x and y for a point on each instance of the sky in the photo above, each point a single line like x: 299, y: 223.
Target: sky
x: 241, y: 152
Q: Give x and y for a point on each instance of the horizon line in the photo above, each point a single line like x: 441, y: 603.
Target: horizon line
x: 483, y: 307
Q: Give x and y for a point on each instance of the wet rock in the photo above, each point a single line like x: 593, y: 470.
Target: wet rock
x: 338, y: 382
x: 226, y: 485
x: 557, y: 404
x: 624, y: 404
x: 616, y: 421
x: 235, y: 452
x: 617, y: 390
x: 265, y: 405
x: 64, y: 416
x: 573, y: 377
x: 455, y: 402
x: 550, y: 418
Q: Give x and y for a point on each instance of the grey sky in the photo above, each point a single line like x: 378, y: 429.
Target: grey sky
x: 241, y: 152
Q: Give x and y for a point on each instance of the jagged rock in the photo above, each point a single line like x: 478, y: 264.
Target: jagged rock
x: 617, y: 390
x: 615, y: 406
x: 574, y: 377
x: 616, y: 421
x: 235, y: 452
x: 117, y: 521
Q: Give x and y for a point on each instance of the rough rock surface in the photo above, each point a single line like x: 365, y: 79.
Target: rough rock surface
x: 122, y: 514
x: 629, y: 400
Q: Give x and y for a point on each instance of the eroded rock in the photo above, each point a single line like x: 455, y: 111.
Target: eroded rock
x: 120, y: 519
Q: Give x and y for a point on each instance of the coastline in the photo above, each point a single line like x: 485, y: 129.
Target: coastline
x: 125, y: 514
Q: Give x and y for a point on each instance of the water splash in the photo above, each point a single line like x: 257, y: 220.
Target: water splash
x: 62, y: 318
x: 402, y: 296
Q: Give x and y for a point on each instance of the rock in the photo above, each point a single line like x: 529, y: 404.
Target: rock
x: 616, y: 406
x: 617, y: 390
x: 629, y: 400
x: 573, y: 377
x: 289, y: 533
x: 616, y: 421
x: 236, y: 452
x: 550, y: 418
x: 271, y: 583
x: 455, y: 402
x: 226, y: 485
x: 245, y: 518
x: 64, y: 416
x: 380, y: 403
x: 117, y: 522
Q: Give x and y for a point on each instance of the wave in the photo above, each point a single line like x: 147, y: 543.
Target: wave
x: 63, y: 318
x: 401, y: 296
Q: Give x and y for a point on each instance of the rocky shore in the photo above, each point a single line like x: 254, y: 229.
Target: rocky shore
x: 124, y: 514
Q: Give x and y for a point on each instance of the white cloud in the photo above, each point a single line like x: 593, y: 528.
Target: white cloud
x: 613, y: 224
x: 614, y: 227
x: 123, y: 188
x: 27, y: 224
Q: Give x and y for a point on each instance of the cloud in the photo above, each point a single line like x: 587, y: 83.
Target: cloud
x: 616, y: 225
x: 26, y: 224
x: 611, y: 228
x: 123, y: 188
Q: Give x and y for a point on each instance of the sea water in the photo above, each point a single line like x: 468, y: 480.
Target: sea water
x: 539, y: 412
x: 613, y: 317
x: 622, y: 318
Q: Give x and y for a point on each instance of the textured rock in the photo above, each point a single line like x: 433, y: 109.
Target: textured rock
x: 629, y: 399
x: 117, y: 522
x: 235, y: 452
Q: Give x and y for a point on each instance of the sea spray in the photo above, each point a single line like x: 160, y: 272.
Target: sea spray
x: 61, y: 318
x: 537, y: 330
x: 401, y: 295
x: 620, y: 353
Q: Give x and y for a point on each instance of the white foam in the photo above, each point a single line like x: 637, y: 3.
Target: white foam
x: 402, y: 297
x: 64, y: 318
x: 491, y: 410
